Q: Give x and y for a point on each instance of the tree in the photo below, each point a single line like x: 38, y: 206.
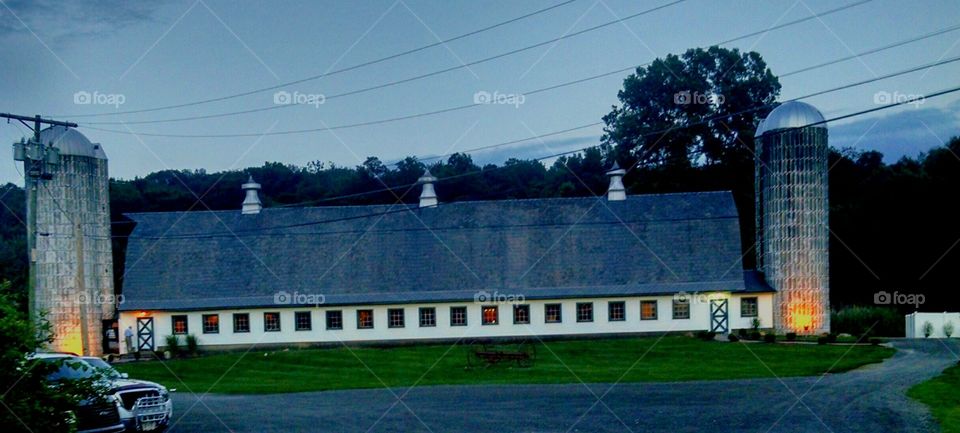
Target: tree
x: 675, y: 93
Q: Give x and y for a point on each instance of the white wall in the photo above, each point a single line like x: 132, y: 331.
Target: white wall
x: 915, y: 321
x: 699, y: 320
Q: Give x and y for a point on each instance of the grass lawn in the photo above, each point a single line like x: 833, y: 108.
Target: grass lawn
x: 941, y: 394
x: 672, y: 359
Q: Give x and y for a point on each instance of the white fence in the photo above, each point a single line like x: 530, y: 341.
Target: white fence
x: 915, y: 323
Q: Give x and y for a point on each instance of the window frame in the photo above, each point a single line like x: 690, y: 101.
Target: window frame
x: 458, y: 308
x: 623, y: 311
x: 483, y: 315
x: 330, y: 314
x: 203, y: 323
x: 279, y: 318
x: 296, y: 320
x: 524, y: 307
x: 403, y: 318
x: 656, y: 308
x: 360, y: 324
x: 245, y: 315
x: 546, y: 313
x: 584, y: 304
x: 173, y: 324
x: 674, y: 308
x: 755, y: 301
x: 432, y: 311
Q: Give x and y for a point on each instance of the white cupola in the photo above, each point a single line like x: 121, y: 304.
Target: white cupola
x: 616, y: 191
x: 428, y: 198
x: 251, y: 203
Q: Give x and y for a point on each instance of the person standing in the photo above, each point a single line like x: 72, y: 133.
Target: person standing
x: 128, y: 337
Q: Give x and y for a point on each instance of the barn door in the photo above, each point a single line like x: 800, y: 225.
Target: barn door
x: 145, y: 333
x: 719, y: 322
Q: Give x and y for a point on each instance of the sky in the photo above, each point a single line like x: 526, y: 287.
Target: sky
x: 70, y: 59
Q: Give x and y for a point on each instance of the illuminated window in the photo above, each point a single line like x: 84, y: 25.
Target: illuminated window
x: 395, y: 317
x: 648, y: 310
x: 241, y: 322
x: 211, y: 324
x: 617, y: 311
x: 271, y: 322
x: 748, y: 307
x: 428, y: 317
x: 364, y: 319
x: 552, y: 313
x: 458, y: 316
x: 584, y: 311
x: 521, y: 314
x: 491, y: 315
x: 179, y: 324
x: 335, y: 319
x: 681, y: 309
x: 302, y: 320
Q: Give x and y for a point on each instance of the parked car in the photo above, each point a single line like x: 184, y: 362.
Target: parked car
x: 144, y: 406
x: 96, y: 414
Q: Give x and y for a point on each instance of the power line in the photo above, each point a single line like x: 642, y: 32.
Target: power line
x: 407, y: 208
x: 525, y: 93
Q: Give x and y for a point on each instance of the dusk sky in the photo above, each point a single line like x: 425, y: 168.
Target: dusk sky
x: 150, y: 55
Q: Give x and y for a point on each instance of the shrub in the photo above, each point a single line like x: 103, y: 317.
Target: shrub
x: 755, y: 335
x: 791, y: 336
x: 192, y: 344
x: 706, y: 336
x: 769, y: 338
x: 927, y: 329
x: 948, y: 329
x: 832, y: 337
x: 822, y: 340
x: 173, y: 345
x: 881, y: 321
x: 733, y: 338
x: 742, y: 333
x: 755, y: 324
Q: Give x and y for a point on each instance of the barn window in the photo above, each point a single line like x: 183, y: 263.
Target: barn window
x: 211, y: 323
x: 458, y: 316
x: 241, y: 322
x: 617, y: 311
x: 302, y: 320
x: 179, y: 325
x: 584, y: 311
x: 335, y: 319
x: 364, y: 319
x: 395, y: 316
x: 553, y: 313
x: 271, y: 322
x: 648, y: 310
x: 681, y: 308
x: 491, y: 315
x: 748, y: 307
x: 428, y: 317
x: 521, y: 314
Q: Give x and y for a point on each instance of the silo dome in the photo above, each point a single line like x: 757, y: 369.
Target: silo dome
x: 791, y: 114
x: 71, y: 142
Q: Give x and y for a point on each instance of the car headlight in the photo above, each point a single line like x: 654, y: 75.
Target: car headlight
x: 165, y: 394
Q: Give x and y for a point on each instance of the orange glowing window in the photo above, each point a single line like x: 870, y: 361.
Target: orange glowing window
x: 490, y: 315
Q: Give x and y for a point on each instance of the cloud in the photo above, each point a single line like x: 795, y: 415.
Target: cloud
x: 905, y: 133
x: 59, y: 22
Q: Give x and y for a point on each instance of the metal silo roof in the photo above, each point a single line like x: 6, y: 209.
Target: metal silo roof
x: 793, y: 114
x: 71, y: 142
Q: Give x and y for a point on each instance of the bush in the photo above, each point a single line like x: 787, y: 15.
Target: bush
x: 755, y: 335
x: 948, y: 329
x: 733, y: 338
x: 822, y: 340
x: 881, y: 321
x: 769, y: 338
x: 927, y: 329
x: 755, y: 324
x: 706, y: 336
x: 832, y: 337
x: 173, y: 345
x: 791, y: 336
x: 192, y: 345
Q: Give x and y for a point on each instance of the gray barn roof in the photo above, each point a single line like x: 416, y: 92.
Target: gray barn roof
x: 540, y: 248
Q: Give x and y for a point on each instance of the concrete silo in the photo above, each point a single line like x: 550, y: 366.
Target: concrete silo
x: 792, y: 212
x: 72, y: 258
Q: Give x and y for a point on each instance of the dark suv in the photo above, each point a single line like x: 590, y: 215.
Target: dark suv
x: 98, y: 414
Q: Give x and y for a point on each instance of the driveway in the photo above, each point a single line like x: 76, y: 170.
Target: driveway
x: 870, y: 399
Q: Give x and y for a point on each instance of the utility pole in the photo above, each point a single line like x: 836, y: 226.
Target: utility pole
x: 36, y: 157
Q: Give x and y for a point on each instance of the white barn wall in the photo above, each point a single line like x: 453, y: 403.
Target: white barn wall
x: 914, y: 324
x: 699, y: 320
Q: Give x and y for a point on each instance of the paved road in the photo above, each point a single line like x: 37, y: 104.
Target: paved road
x: 870, y: 399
